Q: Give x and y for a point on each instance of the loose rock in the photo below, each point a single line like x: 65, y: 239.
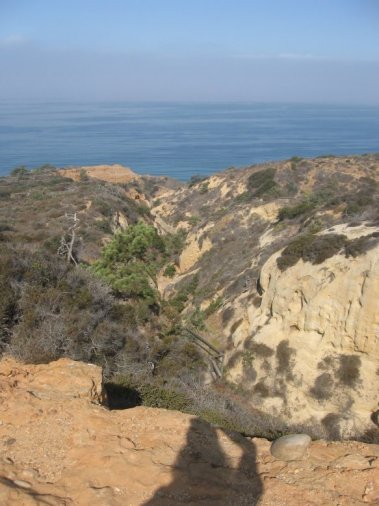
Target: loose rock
x: 292, y: 447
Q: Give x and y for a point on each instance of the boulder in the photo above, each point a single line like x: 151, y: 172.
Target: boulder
x: 292, y: 447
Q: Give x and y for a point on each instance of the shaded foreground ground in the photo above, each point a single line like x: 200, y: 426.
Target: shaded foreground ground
x: 60, y: 446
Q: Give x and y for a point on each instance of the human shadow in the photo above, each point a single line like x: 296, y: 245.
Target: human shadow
x: 205, y: 474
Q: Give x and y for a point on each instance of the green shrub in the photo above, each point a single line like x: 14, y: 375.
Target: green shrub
x: 243, y: 198
x: 103, y: 207
x: 20, y: 171
x: 184, y: 292
x: 213, y: 306
x: 357, y: 204
x: 203, y: 188
x: 104, y: 226
x: 130, y: 262
x: 158, y: 397
x: 262, y: 183
x: 311, y: 248
x: 295, y: 160
x: 169, y: 271
x: 193, y: 220
x: 195, y: 179
x: 291, y: 212
x: 38, y: 195
x: 324, y: 196
x: 360, y: 245
x: 196, y: 318
x: 83, y: 176
x: 174, y: 243
x: 148, y: 394
x: 142, y: 210
x: 219, y: 420
x: 291, y: 188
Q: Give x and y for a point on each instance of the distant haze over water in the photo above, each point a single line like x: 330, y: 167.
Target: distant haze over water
x: 179, y: 139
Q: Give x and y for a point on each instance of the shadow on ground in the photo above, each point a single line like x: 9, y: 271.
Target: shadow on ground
x: 204, y: 474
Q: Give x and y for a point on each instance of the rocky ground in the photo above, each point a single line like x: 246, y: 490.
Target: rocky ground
x: 61, y: 446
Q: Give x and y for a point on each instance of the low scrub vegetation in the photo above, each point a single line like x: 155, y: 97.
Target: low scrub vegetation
x: 311, y: 248
x: 219, y: 405
x: 262, y: 183
x: 50, y: 309
x: 107, y: 309
x: 317, y: 248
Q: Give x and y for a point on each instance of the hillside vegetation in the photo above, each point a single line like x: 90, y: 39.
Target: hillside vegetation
x: 111, y: 272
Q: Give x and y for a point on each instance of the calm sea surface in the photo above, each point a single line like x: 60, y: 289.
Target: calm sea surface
x: 179, y: 140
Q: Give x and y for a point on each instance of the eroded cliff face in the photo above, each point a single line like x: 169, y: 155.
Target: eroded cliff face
x: 303, y: 341
x: 312, y: 349
x: 60, y: 447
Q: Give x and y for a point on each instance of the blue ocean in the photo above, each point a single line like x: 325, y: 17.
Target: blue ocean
x: 179, y: 139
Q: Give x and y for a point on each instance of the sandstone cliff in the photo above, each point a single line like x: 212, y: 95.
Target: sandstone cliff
x: 60, y: 446
x: 302, y: 339
x: 311, y: 350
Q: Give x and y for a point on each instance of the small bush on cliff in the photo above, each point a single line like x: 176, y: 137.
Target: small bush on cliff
x: 20, y: 171
x: 311, y: 248
x: 317, y: 199
x: 169, y: 271
x: 361, y: 245
x: 291, y: 212
x: 195, y: 179
x: 262, y: 183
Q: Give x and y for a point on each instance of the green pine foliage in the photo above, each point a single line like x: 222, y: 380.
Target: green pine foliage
x: 130, y: 262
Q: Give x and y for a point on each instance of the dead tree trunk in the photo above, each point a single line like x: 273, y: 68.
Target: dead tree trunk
x: 66, y: 247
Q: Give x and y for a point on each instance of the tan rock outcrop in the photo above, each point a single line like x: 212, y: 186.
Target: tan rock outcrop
x: 195, y: 247
x: 312, y: 351
x: 111, y: 173
x: 59, y: 446
x: 119, y: 222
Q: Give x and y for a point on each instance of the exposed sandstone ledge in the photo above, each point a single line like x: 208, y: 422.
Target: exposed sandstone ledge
x: 111, y: 173
x: 59, y: 446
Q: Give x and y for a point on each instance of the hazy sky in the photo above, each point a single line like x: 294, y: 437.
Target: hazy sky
x: 255, y: 50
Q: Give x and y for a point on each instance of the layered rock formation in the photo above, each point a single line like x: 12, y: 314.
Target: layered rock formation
x: 312, y: 351
x: 60, y: 446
